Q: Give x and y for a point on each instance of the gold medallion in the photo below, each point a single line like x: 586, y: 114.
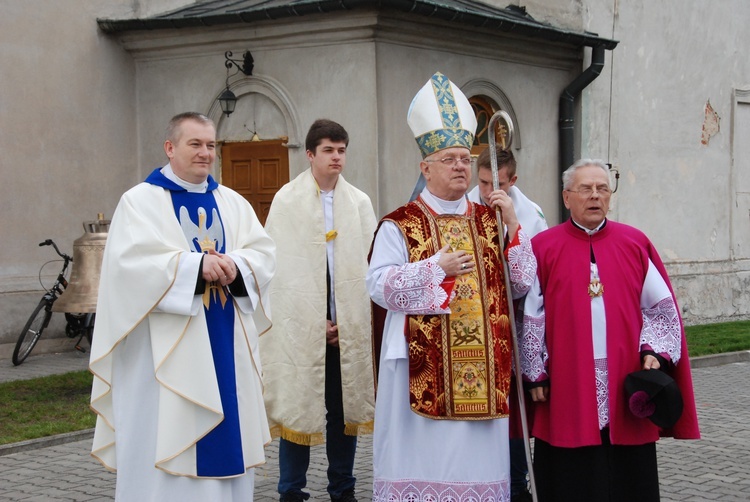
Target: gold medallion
x: 596, y: 288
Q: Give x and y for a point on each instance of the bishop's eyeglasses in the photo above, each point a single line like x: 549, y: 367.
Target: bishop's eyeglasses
x: 452, y: 161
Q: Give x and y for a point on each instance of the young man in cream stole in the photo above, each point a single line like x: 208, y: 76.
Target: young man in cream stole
x: 317, y: 358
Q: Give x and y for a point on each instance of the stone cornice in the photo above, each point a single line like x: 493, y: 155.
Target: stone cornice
x: 350, y: 28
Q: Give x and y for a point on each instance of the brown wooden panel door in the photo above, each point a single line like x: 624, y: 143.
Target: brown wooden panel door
x: 256, y: 170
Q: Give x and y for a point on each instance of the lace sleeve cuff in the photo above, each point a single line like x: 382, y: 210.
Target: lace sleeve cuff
x: 418, y: 288
x: 661, y: 329
x: 521, y: 264
x: 533, y: 349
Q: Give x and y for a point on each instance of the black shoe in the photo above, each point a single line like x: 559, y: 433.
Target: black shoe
x: 524, y: 496
x: 347, y: 496
x: 294, y: 497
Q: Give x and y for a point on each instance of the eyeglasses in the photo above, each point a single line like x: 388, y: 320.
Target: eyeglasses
x: 587, y: 191
x: 452, y: 161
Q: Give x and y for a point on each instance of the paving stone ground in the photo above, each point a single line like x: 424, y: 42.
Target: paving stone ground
x: 715, y: 468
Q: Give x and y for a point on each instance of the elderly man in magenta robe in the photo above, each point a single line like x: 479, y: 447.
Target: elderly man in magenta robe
x: 600, y: 308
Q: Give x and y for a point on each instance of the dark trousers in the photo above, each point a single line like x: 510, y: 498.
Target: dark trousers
x: 518, y: 467
x: 606, y: 473
x: 294, y: 459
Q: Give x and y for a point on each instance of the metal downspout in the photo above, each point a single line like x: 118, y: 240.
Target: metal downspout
x: 567, y: 111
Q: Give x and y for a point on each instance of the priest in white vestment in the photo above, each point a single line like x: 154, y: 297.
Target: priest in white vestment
x: 441, y: 426
x: 182, y: 301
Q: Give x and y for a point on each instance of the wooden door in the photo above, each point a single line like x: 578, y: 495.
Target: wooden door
x: 256, y: 170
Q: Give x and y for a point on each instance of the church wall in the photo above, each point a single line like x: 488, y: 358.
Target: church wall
x: 320, y: 77
x: 684, y: 169
x: 674, y: 126
x: 68, y: 144
x: 359, y: 70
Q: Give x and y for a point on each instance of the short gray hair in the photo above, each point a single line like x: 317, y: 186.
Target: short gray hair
x: 567, y: 176
x: 173, y: 129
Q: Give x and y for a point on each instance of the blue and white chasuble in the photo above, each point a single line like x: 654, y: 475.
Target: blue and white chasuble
x: 219, y: 453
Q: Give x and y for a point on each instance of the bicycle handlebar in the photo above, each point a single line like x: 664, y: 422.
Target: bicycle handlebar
x: 50, y: 242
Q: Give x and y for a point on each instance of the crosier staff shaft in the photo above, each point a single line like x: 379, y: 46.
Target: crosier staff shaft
x: 511, y: 314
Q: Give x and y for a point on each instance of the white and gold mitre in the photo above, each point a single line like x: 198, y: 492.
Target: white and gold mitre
x: 441, y: 117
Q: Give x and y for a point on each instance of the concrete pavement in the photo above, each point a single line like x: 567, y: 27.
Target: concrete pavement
x: 714, y: 468
x: 43, y: 365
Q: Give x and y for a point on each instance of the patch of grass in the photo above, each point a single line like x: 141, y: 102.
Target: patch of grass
x: 45, y: 406
x: 719, y: 338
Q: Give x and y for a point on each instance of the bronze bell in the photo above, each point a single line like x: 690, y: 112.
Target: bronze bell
x: 83, y: 287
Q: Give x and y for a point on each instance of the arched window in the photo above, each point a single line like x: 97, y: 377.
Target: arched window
x: 484, y: 108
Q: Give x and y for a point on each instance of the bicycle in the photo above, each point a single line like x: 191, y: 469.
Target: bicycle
x: 79, y: 325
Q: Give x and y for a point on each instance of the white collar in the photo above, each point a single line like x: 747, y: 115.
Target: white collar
x: 441, y: 206
x: 168, y: 173
x: 589, y: 231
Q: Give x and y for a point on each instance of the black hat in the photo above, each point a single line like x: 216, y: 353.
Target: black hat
x: 654, y: 395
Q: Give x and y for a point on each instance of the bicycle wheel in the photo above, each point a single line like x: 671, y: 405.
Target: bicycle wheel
x: 31, y: 332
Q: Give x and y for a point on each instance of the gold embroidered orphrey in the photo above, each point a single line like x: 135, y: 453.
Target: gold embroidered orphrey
x: 460, y: 363
x: 467, y: 351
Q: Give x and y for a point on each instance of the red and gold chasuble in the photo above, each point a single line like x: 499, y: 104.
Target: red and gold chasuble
x: 459, y: 364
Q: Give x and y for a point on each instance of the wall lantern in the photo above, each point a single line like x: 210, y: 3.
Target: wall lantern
x: 228, y: 100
